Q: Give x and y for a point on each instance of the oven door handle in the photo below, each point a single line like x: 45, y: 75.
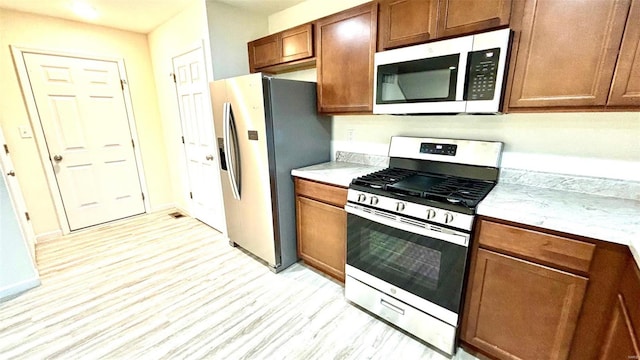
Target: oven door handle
x: 462, y: 240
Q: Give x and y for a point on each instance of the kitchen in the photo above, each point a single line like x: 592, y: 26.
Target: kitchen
x: 586, y: 143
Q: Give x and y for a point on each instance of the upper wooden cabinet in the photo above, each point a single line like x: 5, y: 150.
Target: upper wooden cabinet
x: 345, y: 45
x: 625, y: 89
x: 458, y: 17
x: 281, y: 48
x: 408, y: 22
x: 566, y: 51
x: 264, y: 52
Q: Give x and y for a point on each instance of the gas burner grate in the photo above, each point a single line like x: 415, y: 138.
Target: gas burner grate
x: 457, y: 190
x: 379, y: 179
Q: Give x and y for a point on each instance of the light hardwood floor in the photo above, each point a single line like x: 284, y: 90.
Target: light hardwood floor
x: 155, y: 287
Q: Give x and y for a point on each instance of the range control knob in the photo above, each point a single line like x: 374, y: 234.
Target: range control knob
x: 448, y: 217
x: 431, y: 214
x: 362, y: 198
x: 373, y: 200
x: 399, y: 206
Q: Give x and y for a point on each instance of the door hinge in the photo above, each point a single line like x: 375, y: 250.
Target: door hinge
x: 183, y: 139
x: 122, y: 83
x: 173, y: 76
x: 6, y: 148
x: 133, y: 144
x: 26, y: 214
x: 142, y: 196
x: 190, y: 194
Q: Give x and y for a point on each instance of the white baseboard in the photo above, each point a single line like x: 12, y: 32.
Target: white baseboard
x: 162, y: 207
x: 17, y: 288
x: 51, y: 235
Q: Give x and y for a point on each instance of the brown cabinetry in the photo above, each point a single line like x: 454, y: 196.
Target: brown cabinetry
x: 622, y: 341
x: 535, y: 294
x: 625, y: 89
x: 519, y: 308
x: 321, y: 226
x: 565, y: 54
x: 408, y: 22
x: 345, y: 44
x: 282, y: 51
x: 458, y: 17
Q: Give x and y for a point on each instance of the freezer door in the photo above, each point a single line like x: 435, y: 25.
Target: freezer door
x: 239, y: 115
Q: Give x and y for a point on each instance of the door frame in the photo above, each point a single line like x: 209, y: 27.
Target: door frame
x: 38, y: 131
x: 17, y: 200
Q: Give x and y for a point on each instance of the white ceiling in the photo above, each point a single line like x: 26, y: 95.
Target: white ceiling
x: 134, y: 15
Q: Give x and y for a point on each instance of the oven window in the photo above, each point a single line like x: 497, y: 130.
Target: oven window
x: 404, y: 257
x: 431, y: 79
x: 427, y: 267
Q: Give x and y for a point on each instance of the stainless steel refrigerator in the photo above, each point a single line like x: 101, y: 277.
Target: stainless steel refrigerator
x: 266, y: 127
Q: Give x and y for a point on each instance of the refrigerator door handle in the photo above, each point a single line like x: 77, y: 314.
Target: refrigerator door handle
x: 229, y: 131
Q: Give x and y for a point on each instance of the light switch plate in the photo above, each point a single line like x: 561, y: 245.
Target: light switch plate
x: 25, y: 132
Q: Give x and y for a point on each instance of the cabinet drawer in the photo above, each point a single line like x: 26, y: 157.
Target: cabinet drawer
x: 329, y: 194
x: 536, y: 246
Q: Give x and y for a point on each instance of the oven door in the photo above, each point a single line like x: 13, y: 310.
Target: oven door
x: 418, y: 263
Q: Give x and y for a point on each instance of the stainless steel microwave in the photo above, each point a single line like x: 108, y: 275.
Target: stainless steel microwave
x: 458, y: 75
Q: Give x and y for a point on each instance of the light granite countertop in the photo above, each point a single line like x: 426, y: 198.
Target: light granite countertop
x: 574, y: 205
x: 337, y: 173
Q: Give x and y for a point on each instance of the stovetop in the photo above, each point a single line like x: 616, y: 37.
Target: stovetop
x: 449, y: 192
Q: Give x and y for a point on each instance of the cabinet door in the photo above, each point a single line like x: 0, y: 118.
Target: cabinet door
x: 521, y: 310
x: 458, y: 17
x: 345, y: 45
x: 264, y: 52
x: 566, y: 52
x: 620, y: 342
x: 625, y: 89
x: 296, y: 43
x: 322, y: 235
x: 406, y: 22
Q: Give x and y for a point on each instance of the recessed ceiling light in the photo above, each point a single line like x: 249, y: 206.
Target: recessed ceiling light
x: 84, y: 10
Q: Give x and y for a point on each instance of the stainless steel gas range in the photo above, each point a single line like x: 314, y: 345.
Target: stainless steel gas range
x: 408, y: 233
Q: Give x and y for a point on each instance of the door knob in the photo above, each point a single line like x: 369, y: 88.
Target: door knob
x: 57, y: 157
x: 209, y: 157
x: 11, y: 173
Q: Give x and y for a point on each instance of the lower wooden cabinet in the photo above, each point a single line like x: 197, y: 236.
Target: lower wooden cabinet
x: 519, y: 309
x: 538, y: 294
x: 622, y: 341
x: 321, y: 224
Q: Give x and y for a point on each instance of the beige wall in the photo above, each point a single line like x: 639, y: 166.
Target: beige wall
x: 179, y: 35
x: 594, y: 144
x: 47, y: 33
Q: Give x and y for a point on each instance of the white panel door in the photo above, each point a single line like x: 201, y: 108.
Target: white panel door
x: 200, y: 147
x: 83, y: 114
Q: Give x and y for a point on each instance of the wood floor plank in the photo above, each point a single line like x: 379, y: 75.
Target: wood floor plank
x: 156, y: 287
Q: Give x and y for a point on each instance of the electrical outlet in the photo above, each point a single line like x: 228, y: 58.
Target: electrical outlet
x: 25, y: 132
x: 350, y: 134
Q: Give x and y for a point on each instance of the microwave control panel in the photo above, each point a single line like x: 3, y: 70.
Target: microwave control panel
x: 481, y: 75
